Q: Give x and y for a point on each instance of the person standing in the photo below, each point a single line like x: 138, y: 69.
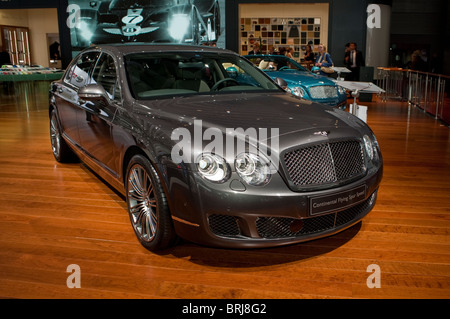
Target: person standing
x: 309, y: 57
x: 353, y: 61
x: 290, y: 53
x: 323, y: 60
x: 4, y: 57
x: 416, y: 63
x: 255, y: 49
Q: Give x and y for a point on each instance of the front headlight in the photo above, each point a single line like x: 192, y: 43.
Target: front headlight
x: 213, y: 168
x: 369, y: 146
x: 298, y: 91
x: 178, y: 26
x: 253, y: 169
x: 341, y: 90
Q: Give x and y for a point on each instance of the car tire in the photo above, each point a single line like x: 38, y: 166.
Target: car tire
x: 61, y: 151
x: 147, y: 205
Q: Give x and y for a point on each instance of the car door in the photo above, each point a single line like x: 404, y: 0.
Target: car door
x: 66, y: 93
x: 95, y: 124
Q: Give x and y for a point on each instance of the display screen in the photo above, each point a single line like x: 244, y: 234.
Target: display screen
x: 152, y: 21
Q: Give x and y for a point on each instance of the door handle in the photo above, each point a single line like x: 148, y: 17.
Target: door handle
x: 60, y: 90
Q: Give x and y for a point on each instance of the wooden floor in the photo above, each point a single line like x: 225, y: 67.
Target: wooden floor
x: 54, y: 215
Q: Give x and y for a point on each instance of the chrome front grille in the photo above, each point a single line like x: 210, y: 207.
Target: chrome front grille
x: 326, y: 164
x: 323, y: 92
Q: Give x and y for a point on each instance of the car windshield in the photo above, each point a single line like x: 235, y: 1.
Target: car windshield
x: 275, y: 63
x: 152, y: 75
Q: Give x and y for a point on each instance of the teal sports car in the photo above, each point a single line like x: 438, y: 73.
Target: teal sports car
x: 300, y: 81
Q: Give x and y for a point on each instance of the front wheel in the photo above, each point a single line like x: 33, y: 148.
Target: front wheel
x: 147, y: 206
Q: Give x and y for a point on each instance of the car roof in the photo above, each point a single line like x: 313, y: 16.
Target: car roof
x: 127, y: 48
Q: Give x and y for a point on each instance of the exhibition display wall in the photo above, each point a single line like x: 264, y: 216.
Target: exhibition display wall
x: 216, y: 22
x: 127, y: 21
x: 288, y: 25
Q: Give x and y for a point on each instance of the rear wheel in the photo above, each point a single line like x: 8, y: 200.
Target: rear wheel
x: 61, y: 151
x: 147, y: 206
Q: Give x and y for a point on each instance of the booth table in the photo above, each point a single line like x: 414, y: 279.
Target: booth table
x: 26, y: 87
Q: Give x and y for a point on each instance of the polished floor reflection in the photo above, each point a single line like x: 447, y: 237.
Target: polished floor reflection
x: 55, y: 215
x: 26, y: 96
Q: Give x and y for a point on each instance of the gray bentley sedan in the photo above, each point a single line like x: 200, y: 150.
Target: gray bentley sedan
x: 206, y: 147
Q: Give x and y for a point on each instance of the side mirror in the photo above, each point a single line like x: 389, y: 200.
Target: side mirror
x: 281, y: 83
x: 92, y: 93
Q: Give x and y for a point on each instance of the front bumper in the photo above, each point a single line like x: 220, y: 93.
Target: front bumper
x: 233, y: 215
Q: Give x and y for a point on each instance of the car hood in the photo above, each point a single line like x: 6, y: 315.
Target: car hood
x: 294, y: 121
x: 293, y: 77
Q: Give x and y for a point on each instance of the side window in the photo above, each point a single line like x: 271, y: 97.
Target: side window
x: 106, y: 75
x: 78, y: 74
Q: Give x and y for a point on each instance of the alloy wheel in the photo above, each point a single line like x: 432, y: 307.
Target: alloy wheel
x: 55, y: 136
x: 142, y: 203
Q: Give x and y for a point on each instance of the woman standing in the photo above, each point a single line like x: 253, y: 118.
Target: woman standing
x: 324, y: 61
x: 290, y: 53
x: 309, y: 57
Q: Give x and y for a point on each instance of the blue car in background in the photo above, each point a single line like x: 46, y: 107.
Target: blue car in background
x: 300, y: 81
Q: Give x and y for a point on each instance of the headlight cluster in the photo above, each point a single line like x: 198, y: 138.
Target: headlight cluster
x: 252, y: 169
x: 213, y: 167
x: 298, y: 91
x: 371, y: 146
x: 341, y: 90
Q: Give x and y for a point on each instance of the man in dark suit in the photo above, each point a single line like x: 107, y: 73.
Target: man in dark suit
x: 255, y: 49
x: 353, y: 61
x: 4, y: 57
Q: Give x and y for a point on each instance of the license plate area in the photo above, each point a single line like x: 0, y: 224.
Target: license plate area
x: 337, y: 201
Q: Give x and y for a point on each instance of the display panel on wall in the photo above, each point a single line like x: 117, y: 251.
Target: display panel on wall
x: 162, y: 21
x: 277, y: 33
